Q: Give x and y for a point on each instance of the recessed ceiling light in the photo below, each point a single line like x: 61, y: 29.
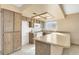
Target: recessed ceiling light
x: 37, y: 17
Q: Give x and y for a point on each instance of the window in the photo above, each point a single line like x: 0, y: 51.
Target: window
x: 50, y: 25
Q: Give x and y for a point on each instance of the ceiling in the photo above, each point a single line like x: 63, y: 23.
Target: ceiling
x: 57, y: 11
x: 68, y: 8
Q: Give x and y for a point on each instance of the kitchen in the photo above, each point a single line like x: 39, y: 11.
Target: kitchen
x: 39, y: 29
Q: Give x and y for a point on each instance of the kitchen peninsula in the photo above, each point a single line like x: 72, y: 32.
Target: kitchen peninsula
x: 52, y: 44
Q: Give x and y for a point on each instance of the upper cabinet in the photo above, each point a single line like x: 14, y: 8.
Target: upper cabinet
x: 8, y: 21
x: 17, y: 25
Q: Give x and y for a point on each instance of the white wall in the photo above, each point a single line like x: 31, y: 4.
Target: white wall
x: 73, y: 50
x: 25, y: 32
x: 70, y: 24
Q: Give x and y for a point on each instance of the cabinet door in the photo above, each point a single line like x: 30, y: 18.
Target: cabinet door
x: 8, y: 43
x: 31, y: 36
x: 42, y: 48
x: 8, y: 21
x: 0, y: 30
x: 17, y: 41
x: 17, y: 22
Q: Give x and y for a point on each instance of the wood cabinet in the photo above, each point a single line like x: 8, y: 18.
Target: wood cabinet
x: 8, y: 43
x: 8, y: 21
x: 30, y: 24
x: 17, y: 22
x: 11, y: 25
x: 42, y: 48
x: 46, y: 48
x: 17, y: 31
x: 31, y: 36
x: 0, y: 31
x: 17, y: 41
x: 7, y: 31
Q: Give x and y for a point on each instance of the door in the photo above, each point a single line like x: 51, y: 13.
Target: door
x: 0, y: 32
x: 7, y: 31
x: 8, y: 21
x: 17, y: 32
x: 17, y: 22
x: 8, y: 43
x: 17, y: 41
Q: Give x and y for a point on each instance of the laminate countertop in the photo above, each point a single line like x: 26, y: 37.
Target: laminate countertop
x: 55, y: 38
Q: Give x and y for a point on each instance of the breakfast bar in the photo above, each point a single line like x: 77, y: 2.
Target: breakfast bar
x: 52, y: 44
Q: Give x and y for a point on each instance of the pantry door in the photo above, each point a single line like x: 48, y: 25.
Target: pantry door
x: 7, y: 31
x: 17, y: 32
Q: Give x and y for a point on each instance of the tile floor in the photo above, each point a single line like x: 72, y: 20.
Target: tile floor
x: 29, y: 49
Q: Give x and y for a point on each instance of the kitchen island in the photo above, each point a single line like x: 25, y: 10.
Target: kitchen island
x: 52, y: 44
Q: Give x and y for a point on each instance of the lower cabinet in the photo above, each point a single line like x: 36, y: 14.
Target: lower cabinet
x: 45, y: 48
x: 42, y: 48
x: 8, y: 43
x: 31, y: 36
x: 17, y: 41
x: 11, y: 42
